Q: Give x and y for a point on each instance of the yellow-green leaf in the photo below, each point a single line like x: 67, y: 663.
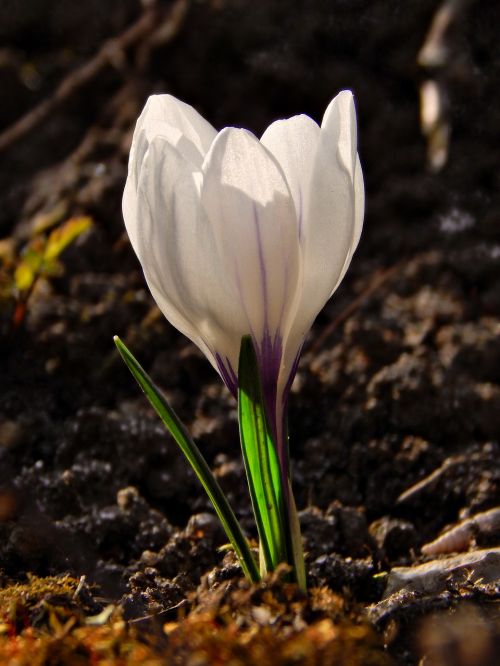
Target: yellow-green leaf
x: 51, y: 268
x: 24, y: 276
x: 64, y: 235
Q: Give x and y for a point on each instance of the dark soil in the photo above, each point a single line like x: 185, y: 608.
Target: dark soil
x: 400, y: 378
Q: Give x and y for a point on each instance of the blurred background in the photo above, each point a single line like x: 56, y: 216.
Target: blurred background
x: 400, y: 376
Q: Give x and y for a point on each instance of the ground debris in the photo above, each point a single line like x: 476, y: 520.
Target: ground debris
x: 439, y: 584
x: 273, y: 624
x: 434, y: 576
x: 58, y: 620
x: 434, y: 610
x: 44, y: 623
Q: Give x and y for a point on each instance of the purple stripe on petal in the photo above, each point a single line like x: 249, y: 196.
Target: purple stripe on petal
x: 289, y: 381
x: 269, y: 352
x: 233, y: 375
x: 228, y: 374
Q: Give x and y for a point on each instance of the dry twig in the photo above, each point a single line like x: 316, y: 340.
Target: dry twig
x: 149, y: 23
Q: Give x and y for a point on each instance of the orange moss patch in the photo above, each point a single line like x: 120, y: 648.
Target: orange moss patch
x: 48, y: 622
x: 45, y: 623
x: 110, y: 645
x: 202, y: 642
x: 273, y: 624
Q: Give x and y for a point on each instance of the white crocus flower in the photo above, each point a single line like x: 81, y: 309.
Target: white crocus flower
x: 238, y: 236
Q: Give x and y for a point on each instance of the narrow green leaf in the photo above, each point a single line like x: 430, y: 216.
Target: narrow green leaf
x: 294, y: 540
x: 196, y: 460
x: 295, y: 549
x: 261, y: 459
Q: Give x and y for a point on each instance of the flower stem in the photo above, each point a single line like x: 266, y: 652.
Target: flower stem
x: 261, y: 460
x: 265, y: 453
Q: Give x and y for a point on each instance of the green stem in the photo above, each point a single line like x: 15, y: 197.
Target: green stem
x: 261, y: 460
x: 267, y: 464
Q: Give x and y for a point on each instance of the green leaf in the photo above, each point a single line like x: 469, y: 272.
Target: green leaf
x: 196, y: 460
x: 294, y: 539
x: 261, y: 459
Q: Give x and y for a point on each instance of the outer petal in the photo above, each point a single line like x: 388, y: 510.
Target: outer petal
x: 182, y: 126
x: 333, y: 221
x: 181, y: 116
x: 329, y: 222
x: 359, y: 203
x: 293, y: 143
x: 143, y: 136
x: 177, y: 250
x: 250, y: 207
x: 359, y: 212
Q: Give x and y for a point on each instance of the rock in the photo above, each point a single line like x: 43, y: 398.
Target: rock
x: 483, y: 529
x: 434, y: 576
x: 205, y: 525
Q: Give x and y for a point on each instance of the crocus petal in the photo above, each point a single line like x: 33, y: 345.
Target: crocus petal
x: 359, y: 203
x: 359, y: 212
x: 332, y: 223
x: 181, y: 116
x: 293, y: 143
x: 251, y: 211
x: 339, y: 122
x: 180, y: 258
x: 140, y: 144
x: 182, y: 126
x: 329, y: 221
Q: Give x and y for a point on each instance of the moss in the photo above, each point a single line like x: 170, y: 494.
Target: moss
x: 109, y: 645
x: 52, y: 622
x: 200, y: 640
x: 273, y: 624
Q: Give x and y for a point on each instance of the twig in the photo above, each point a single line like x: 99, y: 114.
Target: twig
x: 107, y: 55
x: 80, y: 586
x: 378, y: 280
x: 432, y: 479
x: 182, y: 604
